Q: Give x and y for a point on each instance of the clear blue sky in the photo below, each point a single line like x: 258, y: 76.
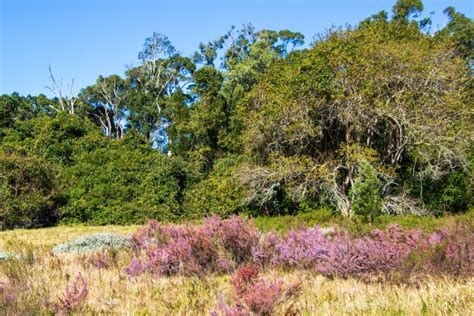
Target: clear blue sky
x: 83, y: 39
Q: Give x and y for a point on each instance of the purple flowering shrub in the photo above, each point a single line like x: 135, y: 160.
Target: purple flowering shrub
x: 216, y: 245
x: 254, y: 295
x: 135, y: 268
x: 222, y: 245
x: 337, y: 254
x: 458, y: 251
x: 73, y: 297
x: 301, y: 248
x: 100, y: 260
x: 382, y: 251
x: 446, y: 251
x: 264, y: 252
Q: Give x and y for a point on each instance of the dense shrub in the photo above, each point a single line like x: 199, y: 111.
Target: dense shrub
x: 217, y: 245
x: 451, y: 193
x: 100, y: 180
x: 29, y: 194
x: 122, y: 184
x: 340, y: 254
x: 365, y: 193
x: 382, y: 251
x: 299, y: 248
x: 55, y: 139
x: 222, y: 245
x: 220, y: 193
x: 254, y: 295
x: 94, y: 242
x: 446, y: 251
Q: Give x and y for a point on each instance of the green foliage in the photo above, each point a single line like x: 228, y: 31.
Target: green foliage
x: 326, y: 218
x: 451, y: 193
x: 14, y: 108
x: 55, y: 139
x: 358, y: 89
x: 122, y: 184
x: 29, y: 192
x: 372, y: 117
x: 322, y: 217
x: 219, y: 193
x: 365, y: 193
x: 404, y: 9
x: 461, y: 30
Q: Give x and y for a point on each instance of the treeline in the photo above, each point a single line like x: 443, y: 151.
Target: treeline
x: 369, y: 119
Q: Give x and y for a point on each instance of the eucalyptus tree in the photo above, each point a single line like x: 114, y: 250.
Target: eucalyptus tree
x: 213, y: 124
x: 460, y: 29
x: 161, y: 73
x: 107, y: 100
x: 65, y: 96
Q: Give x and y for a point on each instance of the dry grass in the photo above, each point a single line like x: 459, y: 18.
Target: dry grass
x: 111, y: 291
x: 49, y: 237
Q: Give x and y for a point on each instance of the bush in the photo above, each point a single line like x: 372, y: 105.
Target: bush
x: 380, y: 252
x: 446, y: 251
x: 217, y: 245
x: 94, y: 242
x: 300, y: 248
x: 104, y: 181
x: 221, y: 193
x: 223, y: 245
x: 365, y: 193
x: 55, y: 139
x: 254, y: 295
x: 29, y: 192
x: 123, y: 184
x: 452, y: 193
x: 73, y: 296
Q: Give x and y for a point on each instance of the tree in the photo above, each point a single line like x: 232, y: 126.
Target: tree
x: 365, y: 192
x: 66, y: 99
x: 359, y: 94
x: 107, y: 99
x: 405, y: 9
x: 14, y: 108
x: 461, y: 29
x: 29, y: 192
x: 213, y: 124
x: 162, y: 72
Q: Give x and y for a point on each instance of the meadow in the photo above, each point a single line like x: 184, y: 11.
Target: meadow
x: 256, y: 175
x: 196, y: 282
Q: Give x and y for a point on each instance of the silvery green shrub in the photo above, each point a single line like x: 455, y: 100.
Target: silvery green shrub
x: 94, y: 242
x: 4, y: 255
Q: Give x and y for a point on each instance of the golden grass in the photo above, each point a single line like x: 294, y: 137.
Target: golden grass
x: 49, y: 237
x: 111, y: 291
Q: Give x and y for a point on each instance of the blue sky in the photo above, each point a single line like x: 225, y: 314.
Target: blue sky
x: 83, y: 39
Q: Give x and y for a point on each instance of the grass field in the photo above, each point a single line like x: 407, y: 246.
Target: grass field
x: 45, y: 277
